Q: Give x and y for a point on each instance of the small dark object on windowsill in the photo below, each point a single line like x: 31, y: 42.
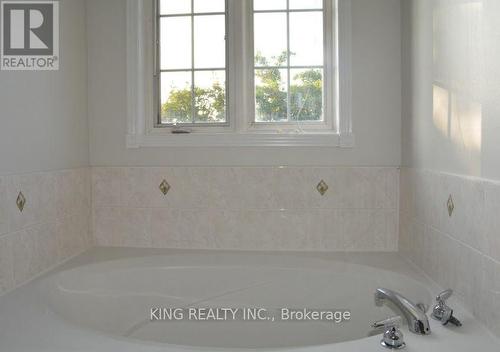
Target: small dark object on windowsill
x: 180, y: 131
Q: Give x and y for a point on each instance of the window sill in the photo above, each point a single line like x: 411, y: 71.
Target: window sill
x: 310, y: 139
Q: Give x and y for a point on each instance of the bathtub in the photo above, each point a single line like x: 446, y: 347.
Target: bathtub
x: 112, y: 300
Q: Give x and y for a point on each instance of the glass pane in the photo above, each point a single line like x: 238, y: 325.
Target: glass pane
x: 306, y: 4
x: 175, y: 43
x: 210, y: 96
x: 210, y: 45
x: 203, y: 6
x: 306, y: 95
x: 306, y: 39
x: 270, y: 39
x: 170, y: 7
x: 270, y: 95
x: 175, y: 97
x: 259, y: 5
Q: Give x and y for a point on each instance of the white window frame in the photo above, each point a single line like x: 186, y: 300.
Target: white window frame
x: 143, y: 131
x: 328, y: 123
x: 198, y: 127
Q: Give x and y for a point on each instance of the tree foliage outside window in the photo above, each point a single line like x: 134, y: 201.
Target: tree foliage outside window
x: 271, y: 96
x: 209, y: 104
x: 306, y: 91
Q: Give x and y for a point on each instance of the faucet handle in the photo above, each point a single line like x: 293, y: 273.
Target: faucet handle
x: 442, y: 312
x: 393, y: 337
x: 443, y: 296
x: 388, y: 323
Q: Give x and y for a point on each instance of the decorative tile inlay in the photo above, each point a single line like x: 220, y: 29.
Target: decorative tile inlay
x: 322, y: 187
x: 164, y: 187
x: 451, y: 206
x: 21, y: 201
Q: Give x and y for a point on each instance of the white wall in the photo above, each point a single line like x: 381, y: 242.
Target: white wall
x: 43, y: 115
x: 376, y: 98
x: 451, y: 110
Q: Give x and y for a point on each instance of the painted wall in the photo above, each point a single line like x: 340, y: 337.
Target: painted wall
x: 376, y: 98
x: 43, y: 115
x: 451, y: 105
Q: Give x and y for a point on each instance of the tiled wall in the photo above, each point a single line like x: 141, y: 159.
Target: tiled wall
x: 53, y: 226
x: 247, y: 208
x: 462, y: 251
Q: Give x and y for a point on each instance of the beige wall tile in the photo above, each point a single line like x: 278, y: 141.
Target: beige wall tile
x: 53, y: 226
x: 461, y: 252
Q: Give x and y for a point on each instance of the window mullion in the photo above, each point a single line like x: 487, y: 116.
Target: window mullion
x: 157, y: 61
x: 193, y: 108
x: 288, y: 103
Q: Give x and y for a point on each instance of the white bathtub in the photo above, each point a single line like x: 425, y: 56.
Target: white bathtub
x: 106, y: 305
x: 116, y: 297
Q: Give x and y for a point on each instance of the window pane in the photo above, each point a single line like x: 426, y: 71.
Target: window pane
x: 210, y: 96
x: 306, y: 95
x: 210, y: 46
x: 270, y: 39
x: 270, y: 95
x: 306, y: 4
x: 203, y: 6
x: 169, y: 7
x: 259, y: 5
x: 175, y: 46
x: 306, y: 39
x: 175, y: 97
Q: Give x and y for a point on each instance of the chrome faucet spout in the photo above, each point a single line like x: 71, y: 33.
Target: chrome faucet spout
x: 418, y: 322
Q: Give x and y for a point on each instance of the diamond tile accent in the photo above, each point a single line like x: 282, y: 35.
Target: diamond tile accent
x: 322, y: 187
x: 164, y: 187
x: 21, y: 201
x: 451, y: 206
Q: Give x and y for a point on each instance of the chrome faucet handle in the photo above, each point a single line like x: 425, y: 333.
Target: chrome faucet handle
x: 443, y: 296
x: 441, y: 312
x: 393, y: 337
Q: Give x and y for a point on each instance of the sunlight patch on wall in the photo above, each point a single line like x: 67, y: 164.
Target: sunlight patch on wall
x: 441, y: 109
x: 457, y: 118
x: 458, y: 66
x: 466, y: 123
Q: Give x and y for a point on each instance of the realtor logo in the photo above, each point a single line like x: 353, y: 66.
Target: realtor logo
x: 29, y: 35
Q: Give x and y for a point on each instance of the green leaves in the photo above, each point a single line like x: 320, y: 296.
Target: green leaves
x: 209, y: 104
x: 305, y: 90
x: 272, y: 93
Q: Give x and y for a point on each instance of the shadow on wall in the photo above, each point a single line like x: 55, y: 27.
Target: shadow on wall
x: 458, y: 75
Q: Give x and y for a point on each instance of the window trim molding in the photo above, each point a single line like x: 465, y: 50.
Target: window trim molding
x: 140, y: 106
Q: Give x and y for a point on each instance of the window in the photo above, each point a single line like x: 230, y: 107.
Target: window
x: 289, y: 60
x: 191, y: 56
x: 239, y: 72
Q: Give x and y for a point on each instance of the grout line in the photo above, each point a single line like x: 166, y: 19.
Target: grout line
x: 460, y: 242
x: 452, y: 238
x: 40, y: 274
x: 242, y: 209
x: 56, y: 219
x: 455, y: 175
x: 49, y: 171
x: 248, y: 167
